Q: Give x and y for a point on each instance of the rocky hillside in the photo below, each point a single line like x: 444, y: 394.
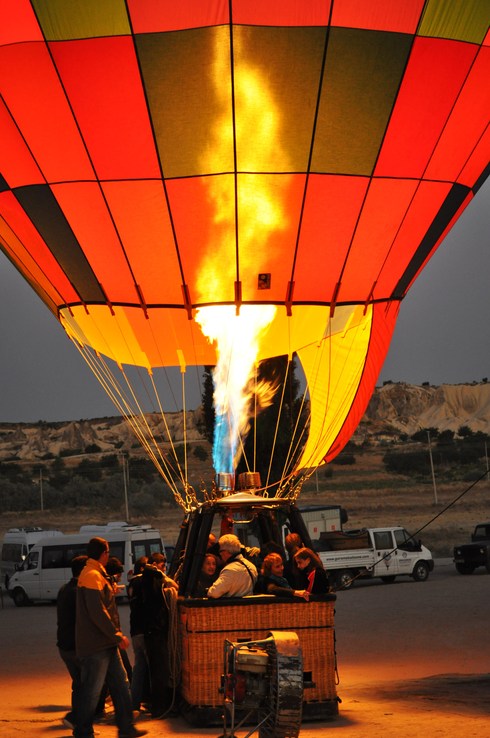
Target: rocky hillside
x: 24, y: 441
x: 398, y: 408
x: 395, y: 409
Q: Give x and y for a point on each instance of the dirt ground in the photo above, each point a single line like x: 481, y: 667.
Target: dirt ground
x: 413, y: 659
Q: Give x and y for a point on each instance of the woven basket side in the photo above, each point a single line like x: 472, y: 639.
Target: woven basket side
x: 204, y: 631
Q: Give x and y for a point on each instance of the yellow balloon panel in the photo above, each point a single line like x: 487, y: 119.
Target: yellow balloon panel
x: 126, y: 336
x: 333, y: 370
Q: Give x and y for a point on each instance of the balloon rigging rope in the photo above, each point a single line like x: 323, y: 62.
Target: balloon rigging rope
x: 137, y: 419
x: 185, y: 425
x: 255, y: 417
x: 293, y: 451
x: 167, y: 429
x: 276, y: 430
x: 137, y: 422
x: 141, y: 428
x: 174, y: 646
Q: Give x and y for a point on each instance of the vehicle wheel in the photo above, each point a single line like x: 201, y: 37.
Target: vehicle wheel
x: 465, y: 568
x: 20, y: 598
x: 420, y: 571
x: 345, y: 579
x: 388, y: 580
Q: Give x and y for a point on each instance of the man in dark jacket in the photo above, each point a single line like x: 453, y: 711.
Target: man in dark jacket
x: 66, y: 607
x: 140, y: 682
x: 154, y: 582
x: 98, y: 640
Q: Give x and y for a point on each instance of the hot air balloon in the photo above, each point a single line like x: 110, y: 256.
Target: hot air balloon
x: 206, y: 183
x: 179, y: 184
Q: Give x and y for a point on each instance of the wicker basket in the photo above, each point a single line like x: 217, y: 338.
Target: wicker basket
x: 206, y: 624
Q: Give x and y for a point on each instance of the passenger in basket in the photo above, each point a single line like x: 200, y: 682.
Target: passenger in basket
x: 213, y: 545
x: 209, y: 574
x: 309, y: 562
x: 272, y: 580
x: 238, y: 576
x: 296, y: 578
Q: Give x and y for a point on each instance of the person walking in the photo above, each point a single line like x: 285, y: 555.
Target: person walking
x: 98, y: 640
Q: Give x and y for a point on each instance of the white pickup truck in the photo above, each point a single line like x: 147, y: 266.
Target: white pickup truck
x: 373, y: 552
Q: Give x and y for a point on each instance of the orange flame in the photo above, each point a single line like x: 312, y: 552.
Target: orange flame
x: 259, y: 214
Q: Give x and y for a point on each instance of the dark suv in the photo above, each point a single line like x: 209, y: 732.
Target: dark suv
x: 470, y: 556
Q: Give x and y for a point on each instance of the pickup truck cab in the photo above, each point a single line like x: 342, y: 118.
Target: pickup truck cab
x: 469, y: 556
x: 374, y: 552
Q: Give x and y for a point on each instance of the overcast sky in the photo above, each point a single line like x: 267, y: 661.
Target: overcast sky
x: 442, y: 335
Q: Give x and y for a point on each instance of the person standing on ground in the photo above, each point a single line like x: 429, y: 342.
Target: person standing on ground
x: 115, y: 570
x: 140, y: 682
x: 66, y: 611
x: 154, y: 582
x: 98, y: 640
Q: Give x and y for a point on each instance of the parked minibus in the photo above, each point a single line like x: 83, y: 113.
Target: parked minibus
x: 48, y: 564
x: 17, y: 542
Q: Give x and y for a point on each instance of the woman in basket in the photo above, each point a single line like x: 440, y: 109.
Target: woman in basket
x: 309, y: 562
x: 272, y: 579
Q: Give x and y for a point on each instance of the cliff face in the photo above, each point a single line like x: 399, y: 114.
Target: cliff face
x: 394, y: 409
x: 42, y: 440
x: 405, y: 408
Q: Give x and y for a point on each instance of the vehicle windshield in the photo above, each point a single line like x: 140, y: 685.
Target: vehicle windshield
x: 30, y: 562
x: 405, y: 541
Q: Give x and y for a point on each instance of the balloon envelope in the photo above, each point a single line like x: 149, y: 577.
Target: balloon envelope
x: 156, y: 158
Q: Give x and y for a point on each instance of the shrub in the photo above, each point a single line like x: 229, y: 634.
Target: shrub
x: 200, y: 453
x: 344, y: 459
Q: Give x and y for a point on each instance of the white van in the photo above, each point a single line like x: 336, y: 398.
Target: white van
x: 48, y: 564
x: 17, y: 542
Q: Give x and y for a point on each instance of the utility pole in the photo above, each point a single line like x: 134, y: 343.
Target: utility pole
x: 432, y: 469
x: 41, y: 488
x: 125, y: 470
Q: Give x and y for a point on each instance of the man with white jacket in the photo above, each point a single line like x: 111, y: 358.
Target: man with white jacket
x: 238, y: 576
